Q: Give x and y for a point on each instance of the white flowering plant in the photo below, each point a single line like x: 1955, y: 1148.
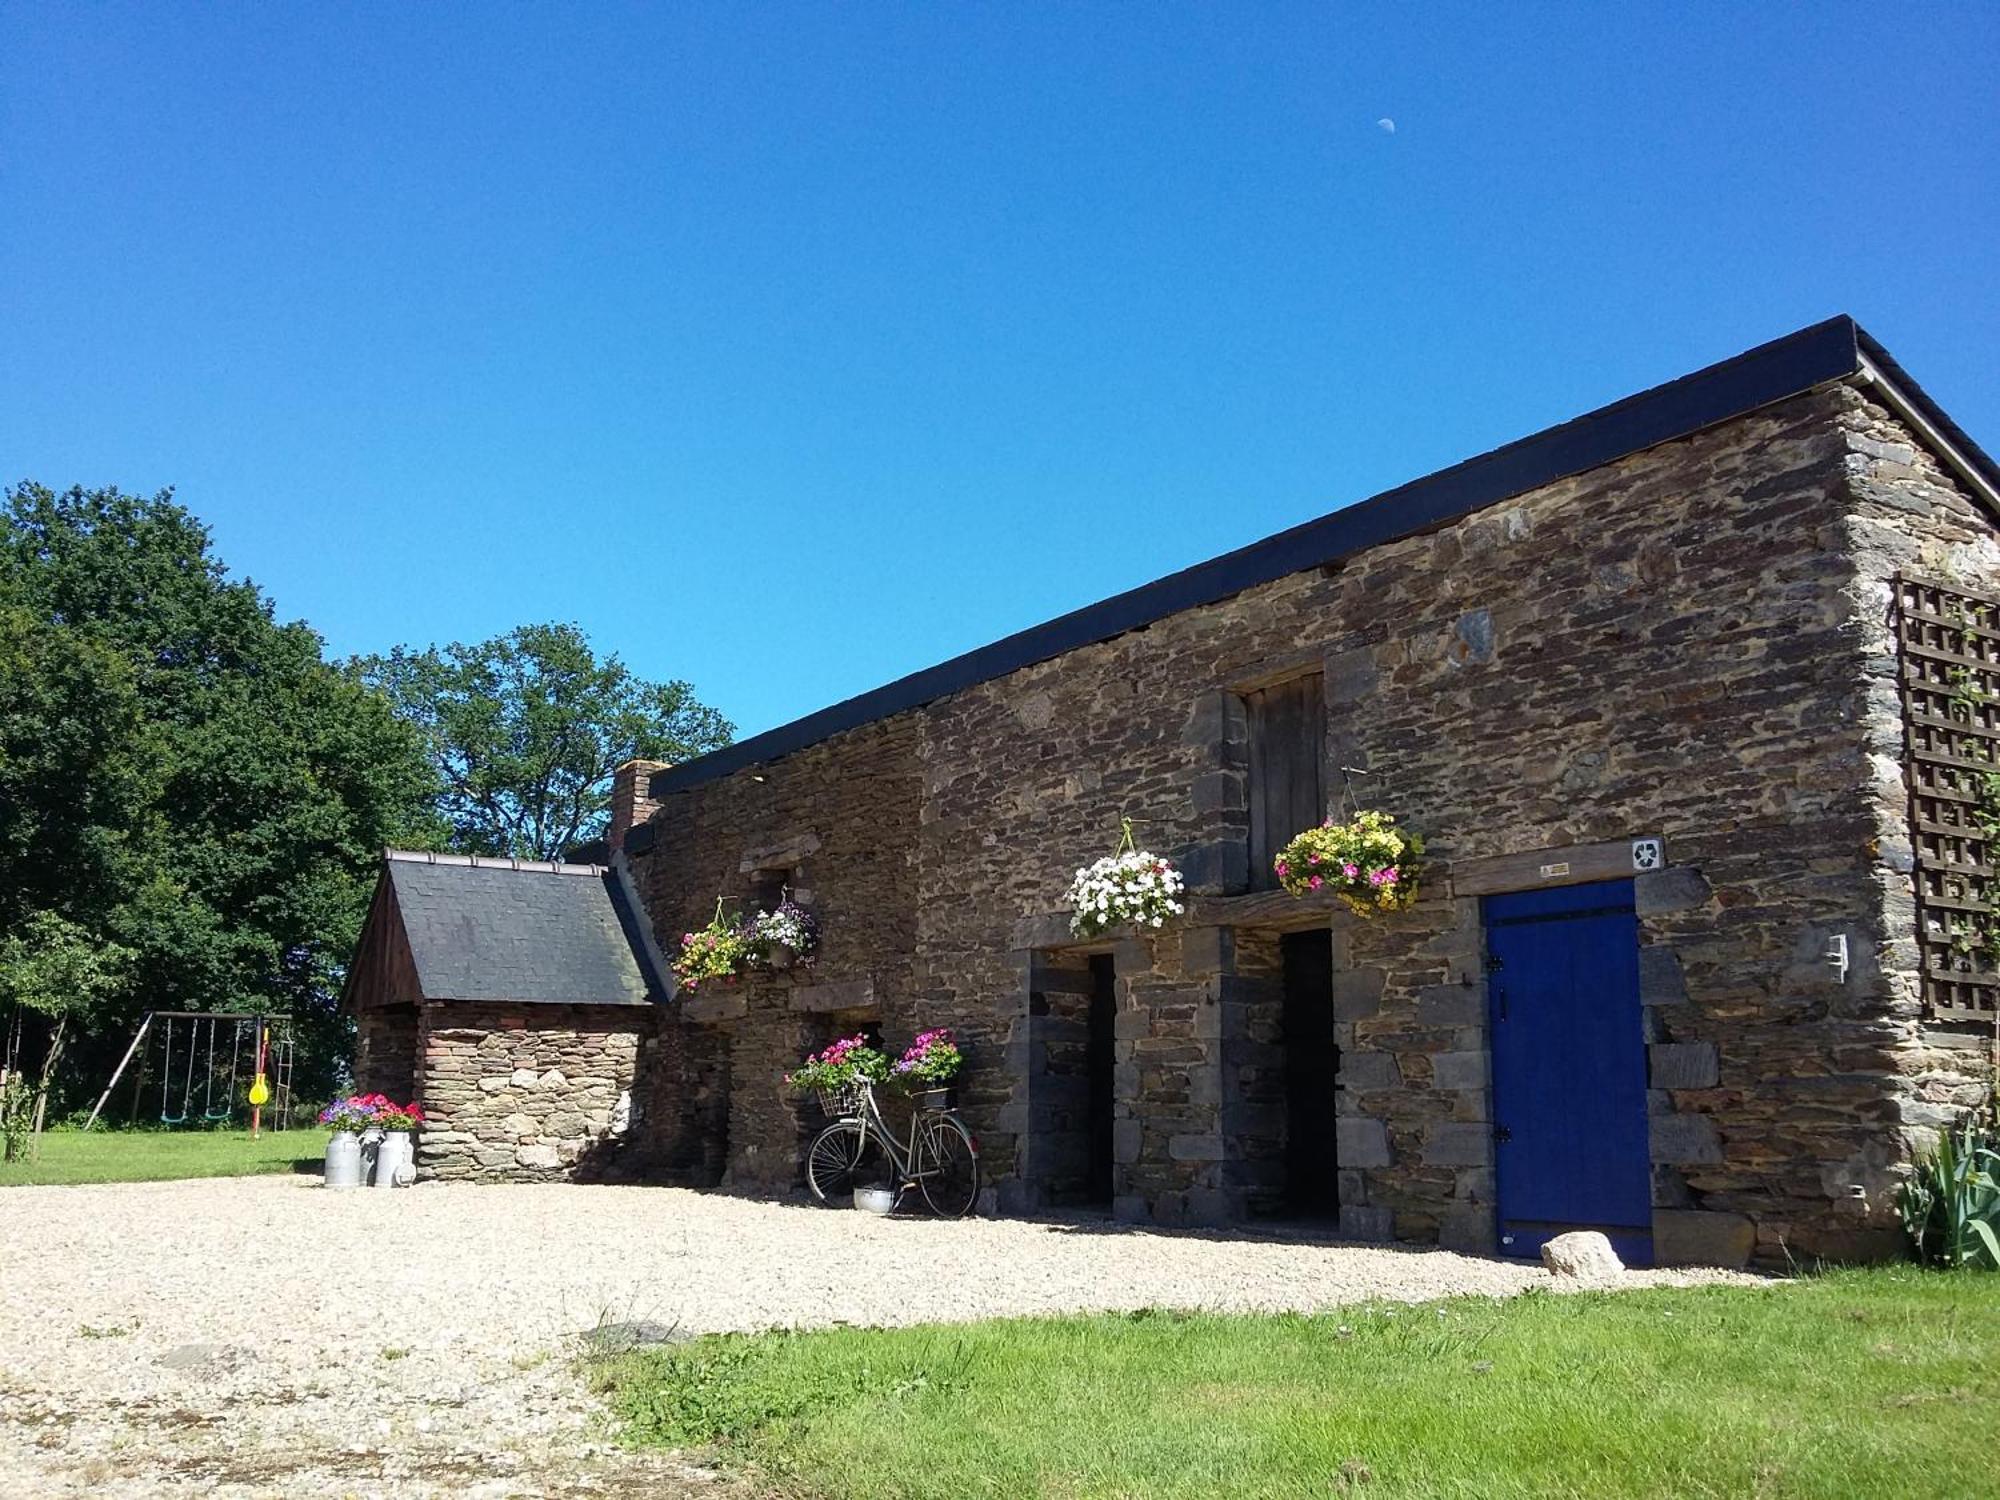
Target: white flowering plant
x: 1128, y: 885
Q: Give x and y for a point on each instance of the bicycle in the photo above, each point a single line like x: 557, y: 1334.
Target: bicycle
x: 940, y: 1159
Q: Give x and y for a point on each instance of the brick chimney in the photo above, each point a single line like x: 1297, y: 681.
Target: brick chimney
x: 631, y: 798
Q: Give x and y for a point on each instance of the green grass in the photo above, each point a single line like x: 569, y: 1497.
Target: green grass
x: 70, y: 1156
x: 1864, y: 1383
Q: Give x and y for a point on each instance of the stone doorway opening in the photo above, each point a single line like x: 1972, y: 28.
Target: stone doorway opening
x: 1311, y: 1064
x: 1100, y: 1078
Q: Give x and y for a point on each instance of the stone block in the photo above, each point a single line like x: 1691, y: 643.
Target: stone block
x: 1459, y: 1070
x: 1131, y: 1208
x: 1661, y: 981
x: 522, y: 1078
x: 1361, y: 1223
x: 1351, y: 676
x: 1454, y: 1143
x: 1217, y: 867
x: 1132, y: 1024
x: 1684, y: 1140
x: 1199, y: 1147
x: 1469, y: 1230
x: 1208, y: 950
x: 1674, y: 889
x: 1361, y: 1142
x: 1683, y: 1065
x: 1357, y: 994
x: 1218, y: 791
x: 1212, y: 1207
x: 1127, y: 1139
x: 1361, y: 1070
x: 1451, y: 1005
x: 1695, y: 1237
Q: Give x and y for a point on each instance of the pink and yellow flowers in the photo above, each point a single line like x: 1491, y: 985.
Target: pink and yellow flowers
x: 1370, y: 863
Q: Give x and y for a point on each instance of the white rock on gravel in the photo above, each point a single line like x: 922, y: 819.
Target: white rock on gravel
x: 1582, y: 1254
x: 421, y: 1343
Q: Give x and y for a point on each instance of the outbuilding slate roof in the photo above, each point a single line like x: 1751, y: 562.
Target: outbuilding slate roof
x: 523, y: 931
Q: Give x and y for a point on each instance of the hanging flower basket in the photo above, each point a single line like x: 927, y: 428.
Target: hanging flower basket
x: 1128, y: 885
x: 1370, y: 863
x: 714, y: 955
x: 785, y: 935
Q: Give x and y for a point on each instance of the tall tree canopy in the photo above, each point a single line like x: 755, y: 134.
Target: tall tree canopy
x: 180, y: 773
x: 525, y: 730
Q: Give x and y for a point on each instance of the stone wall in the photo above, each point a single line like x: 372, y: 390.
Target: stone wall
x: 836, y: 826
x: 1677, y: 645
x: 526, y: 1092
x: 385, y: 1052
x: 1906, y: 512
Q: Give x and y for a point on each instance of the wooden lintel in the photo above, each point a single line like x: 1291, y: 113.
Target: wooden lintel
x: 1531, y: 869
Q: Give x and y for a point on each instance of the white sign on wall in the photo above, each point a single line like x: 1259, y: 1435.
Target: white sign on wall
x: 1647, y: 854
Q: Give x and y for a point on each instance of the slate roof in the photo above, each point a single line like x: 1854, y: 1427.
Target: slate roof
x: 516, y: 930
x: 1838, y: 349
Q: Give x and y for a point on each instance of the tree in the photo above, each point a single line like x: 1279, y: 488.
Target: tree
x: 64, y: 973
x: 231, y: 833
x: 526, y: 729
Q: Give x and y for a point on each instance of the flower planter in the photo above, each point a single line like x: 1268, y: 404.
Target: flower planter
x: 932, y: 1098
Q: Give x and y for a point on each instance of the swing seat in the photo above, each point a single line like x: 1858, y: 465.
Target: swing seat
x: 167, y: 1119
x: 218, y: 1114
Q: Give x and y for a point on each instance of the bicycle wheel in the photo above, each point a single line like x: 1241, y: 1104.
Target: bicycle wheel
x: 842, y: 1157
x: 947, y: 1166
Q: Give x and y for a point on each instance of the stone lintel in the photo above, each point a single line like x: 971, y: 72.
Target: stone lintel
x: 853, y: 994
x: 782, y: 855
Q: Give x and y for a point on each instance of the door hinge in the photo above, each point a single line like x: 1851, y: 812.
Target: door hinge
x: 1493, y: 965
x: 1502, y: 1134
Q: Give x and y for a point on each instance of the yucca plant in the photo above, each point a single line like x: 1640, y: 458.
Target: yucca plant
x: 1950, y: 1204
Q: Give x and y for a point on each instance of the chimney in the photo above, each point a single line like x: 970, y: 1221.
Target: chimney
x: 631, y: 798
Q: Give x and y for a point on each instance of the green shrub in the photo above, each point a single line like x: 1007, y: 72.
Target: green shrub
x: 1951, y: 1204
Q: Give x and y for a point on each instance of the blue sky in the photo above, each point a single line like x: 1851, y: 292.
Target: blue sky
x: 789, y: 349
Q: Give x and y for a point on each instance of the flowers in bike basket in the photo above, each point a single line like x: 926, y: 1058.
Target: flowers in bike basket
x: 931, y: 1061
x: 1127, y: 885
x: 849, y: 1061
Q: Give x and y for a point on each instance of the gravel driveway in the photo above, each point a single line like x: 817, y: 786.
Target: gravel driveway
x: 255, y: 1336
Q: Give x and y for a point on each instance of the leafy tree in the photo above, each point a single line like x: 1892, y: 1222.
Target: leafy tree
x: 65, y: 973
x: 229, y: 836
x: 526, y: 729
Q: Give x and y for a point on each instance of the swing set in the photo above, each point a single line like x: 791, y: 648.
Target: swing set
x: 195, y: 1085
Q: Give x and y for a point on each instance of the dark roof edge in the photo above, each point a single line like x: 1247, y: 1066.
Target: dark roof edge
x: 1772, y: 372
x: 1912, y: 402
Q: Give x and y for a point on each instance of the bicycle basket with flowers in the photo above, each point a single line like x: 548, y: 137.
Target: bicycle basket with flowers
x: 1370, y: 863
x: 1128, y: 885
x: 837, y: 1073
x: 929, y: 1063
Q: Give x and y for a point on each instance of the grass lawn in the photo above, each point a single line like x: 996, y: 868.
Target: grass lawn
x: 1862, y: 1383
x: 161, y: 1155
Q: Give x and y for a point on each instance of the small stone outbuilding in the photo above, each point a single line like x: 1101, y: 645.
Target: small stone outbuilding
x: 509, y: 998
x: 1693, y: 698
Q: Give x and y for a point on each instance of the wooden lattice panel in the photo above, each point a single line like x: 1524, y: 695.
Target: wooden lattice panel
x: 1950, y: 637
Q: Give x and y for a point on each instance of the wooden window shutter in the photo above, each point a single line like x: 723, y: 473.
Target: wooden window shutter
x: 1287, y: 783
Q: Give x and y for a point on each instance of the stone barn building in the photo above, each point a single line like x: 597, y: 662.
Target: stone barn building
x: 1691, y: 698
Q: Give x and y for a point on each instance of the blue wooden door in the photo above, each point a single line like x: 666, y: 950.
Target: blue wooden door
x: 1569, y: 1068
